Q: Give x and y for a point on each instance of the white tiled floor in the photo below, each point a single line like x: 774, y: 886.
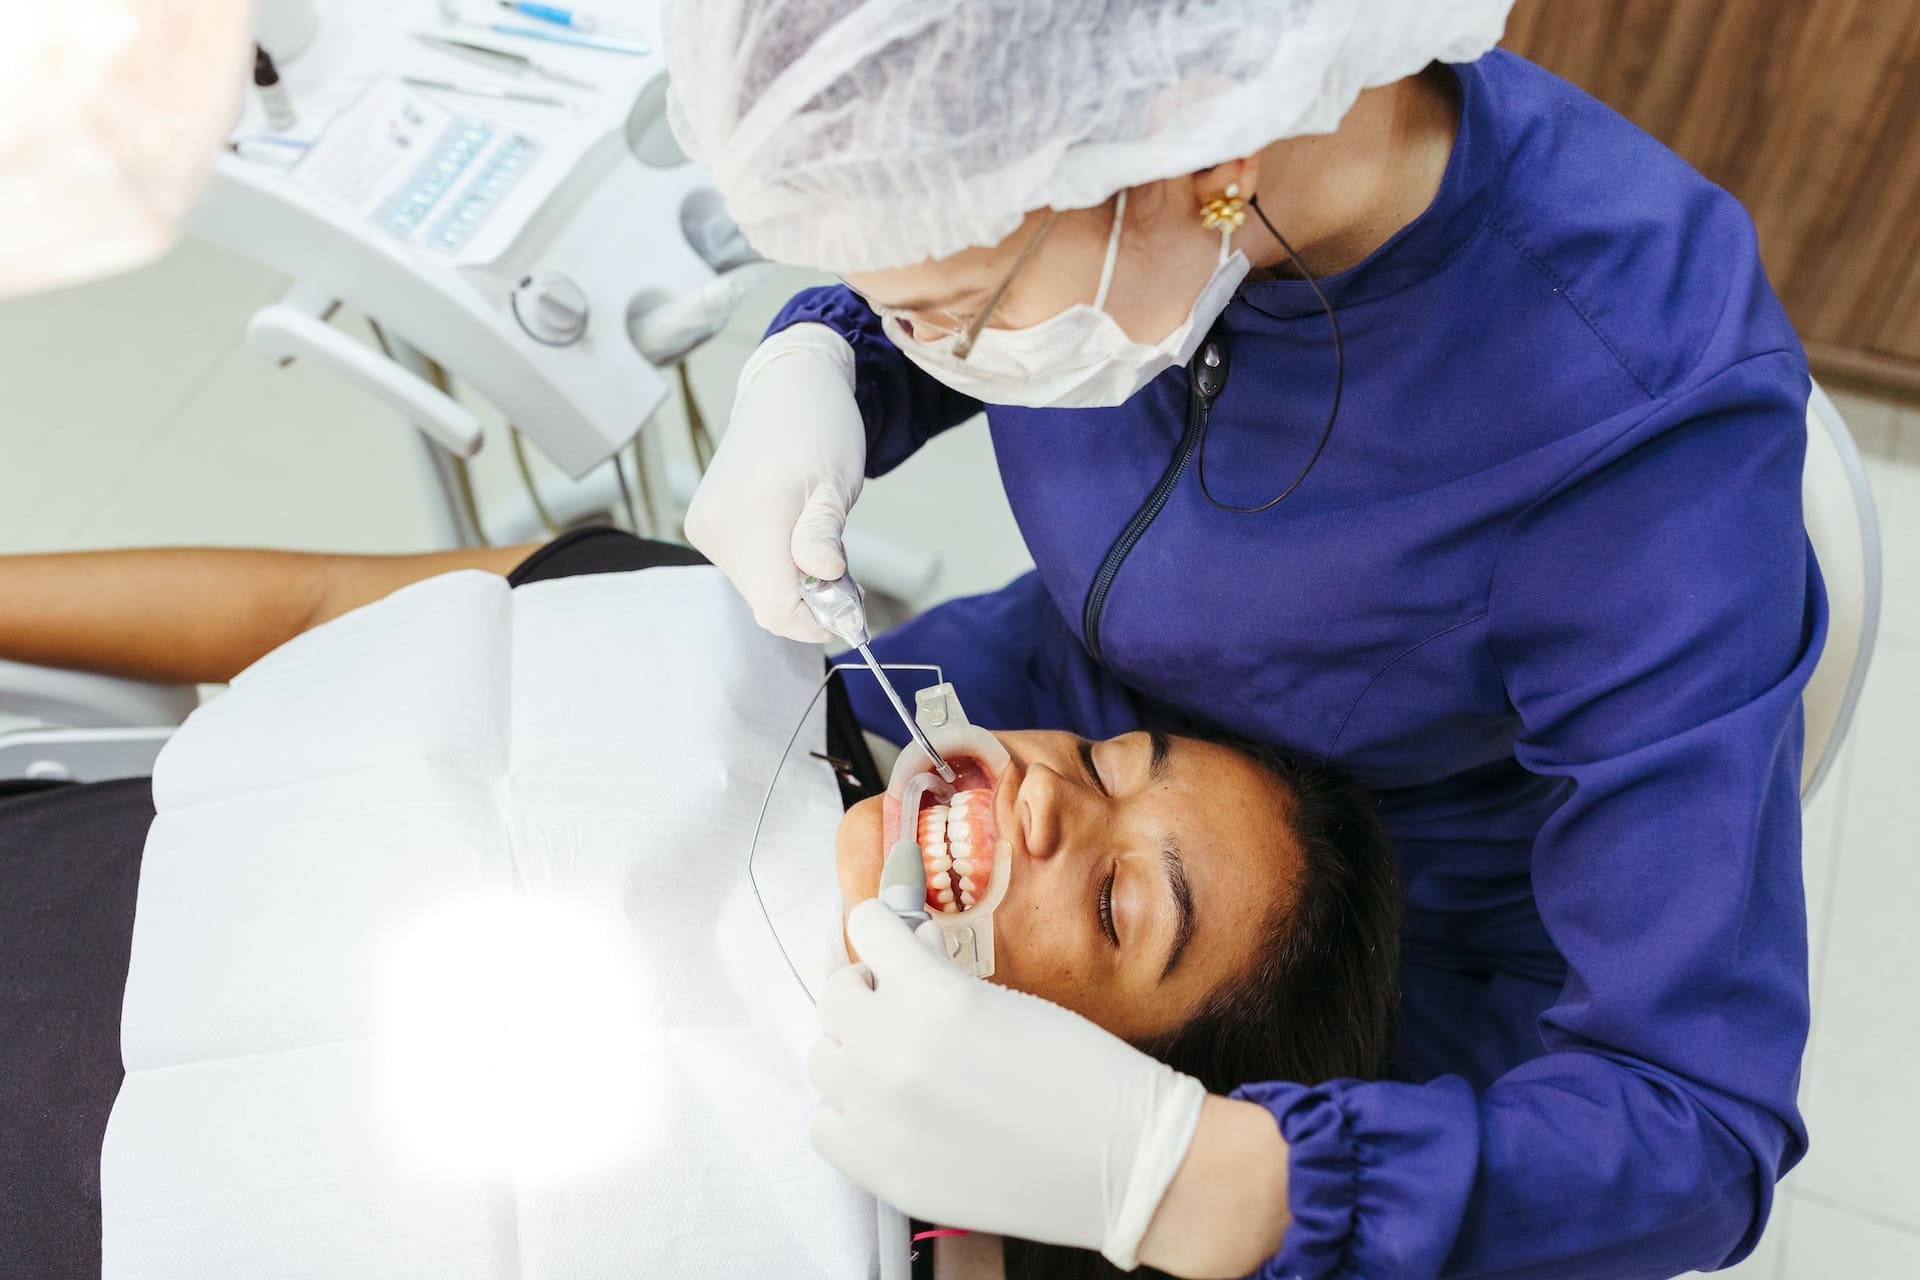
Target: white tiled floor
x: 132, y: 415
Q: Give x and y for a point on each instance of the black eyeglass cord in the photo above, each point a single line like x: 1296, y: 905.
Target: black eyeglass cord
x: 1339, y: 383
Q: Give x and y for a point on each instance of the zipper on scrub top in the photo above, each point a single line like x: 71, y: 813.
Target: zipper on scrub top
x: 1206, y: 376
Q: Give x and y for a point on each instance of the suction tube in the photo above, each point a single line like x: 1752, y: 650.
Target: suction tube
x: 903, y: 879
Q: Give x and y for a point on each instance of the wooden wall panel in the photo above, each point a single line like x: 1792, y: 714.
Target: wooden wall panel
x: 1809, y: 112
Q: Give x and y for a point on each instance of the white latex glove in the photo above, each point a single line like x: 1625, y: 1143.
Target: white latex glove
x: 971, y: 1105
x: 774, y: 503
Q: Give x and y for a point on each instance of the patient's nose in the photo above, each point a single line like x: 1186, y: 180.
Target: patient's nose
x: 1064, y: 813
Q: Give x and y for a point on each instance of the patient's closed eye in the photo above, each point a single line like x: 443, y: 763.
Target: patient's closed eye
x: 1105, y: 905
x: 1085, y: 749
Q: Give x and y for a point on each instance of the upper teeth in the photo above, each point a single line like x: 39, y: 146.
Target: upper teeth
x: 956, y: 873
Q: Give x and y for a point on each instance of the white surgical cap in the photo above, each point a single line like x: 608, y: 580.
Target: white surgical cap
x: 858, y: 135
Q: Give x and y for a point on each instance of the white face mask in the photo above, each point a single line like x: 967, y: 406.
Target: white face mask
x: 1081, y: 358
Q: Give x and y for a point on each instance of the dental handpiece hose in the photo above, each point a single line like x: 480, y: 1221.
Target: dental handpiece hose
x: 841, y: 609
x: 903, y: 888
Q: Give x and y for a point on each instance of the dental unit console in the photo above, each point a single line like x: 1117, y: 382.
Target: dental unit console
x: 514, y: 245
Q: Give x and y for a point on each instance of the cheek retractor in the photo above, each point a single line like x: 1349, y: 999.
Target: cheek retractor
x: 945, y: 859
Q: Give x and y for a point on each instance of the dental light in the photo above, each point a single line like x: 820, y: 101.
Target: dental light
x: 110, y: 114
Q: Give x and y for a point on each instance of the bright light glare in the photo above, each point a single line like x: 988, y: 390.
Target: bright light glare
x: 519, y: 1041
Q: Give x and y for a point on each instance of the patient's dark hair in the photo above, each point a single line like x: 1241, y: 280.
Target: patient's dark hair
x: 1320, y: 999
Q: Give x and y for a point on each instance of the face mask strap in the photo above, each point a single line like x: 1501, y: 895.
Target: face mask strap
x: 1113, y: 252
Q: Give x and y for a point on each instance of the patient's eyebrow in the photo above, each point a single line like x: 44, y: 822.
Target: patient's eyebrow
x: 1162, y: 746
x: 1176, y: 869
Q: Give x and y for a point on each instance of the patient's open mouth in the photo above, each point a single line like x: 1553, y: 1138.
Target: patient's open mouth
x: 956, y: 847
x: 957, y: 838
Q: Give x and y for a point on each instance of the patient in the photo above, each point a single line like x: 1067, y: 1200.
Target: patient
x: 1173, y: 889
x: 1226, y: 908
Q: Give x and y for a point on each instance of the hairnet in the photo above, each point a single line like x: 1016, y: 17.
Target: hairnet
x: 865, y: 134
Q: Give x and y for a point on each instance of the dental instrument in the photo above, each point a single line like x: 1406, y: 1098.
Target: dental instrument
x: 450, y: 13
x: 551, y: 13
x: 557, y: 35
x: 505, y: 61
x: 840, y: 608
x: 268, y: 149
x: 484, y: 91
x: 903, y: 876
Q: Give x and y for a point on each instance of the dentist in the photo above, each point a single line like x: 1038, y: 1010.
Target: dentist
x: 1361, y: 391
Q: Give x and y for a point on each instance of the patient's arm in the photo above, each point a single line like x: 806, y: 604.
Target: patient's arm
x: 195, y: 615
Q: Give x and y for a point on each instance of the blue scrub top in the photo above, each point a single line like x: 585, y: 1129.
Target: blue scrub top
x: 1548, y: 592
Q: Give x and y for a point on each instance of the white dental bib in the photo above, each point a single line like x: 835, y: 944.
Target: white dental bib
x: 445, y: 961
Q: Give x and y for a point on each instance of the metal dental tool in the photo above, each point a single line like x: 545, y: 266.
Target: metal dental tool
x: 504, y: 61
x: 840, y: 608
x: 485, y: 91
x: 452, y: 14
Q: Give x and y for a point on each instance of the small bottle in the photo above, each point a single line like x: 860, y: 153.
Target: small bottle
x: 273, y: 95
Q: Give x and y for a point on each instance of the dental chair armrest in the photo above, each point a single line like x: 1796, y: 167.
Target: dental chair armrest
x: 294, y: 329
x: 81, y: 755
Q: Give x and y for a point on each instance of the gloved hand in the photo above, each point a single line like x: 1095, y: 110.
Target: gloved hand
x: 976, y: 1106
x: 775, y: 500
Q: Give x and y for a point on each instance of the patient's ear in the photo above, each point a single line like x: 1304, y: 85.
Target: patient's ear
x: 1243, y: 173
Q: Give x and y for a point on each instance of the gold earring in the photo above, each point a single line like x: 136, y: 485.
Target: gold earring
x: 1224, y: 213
